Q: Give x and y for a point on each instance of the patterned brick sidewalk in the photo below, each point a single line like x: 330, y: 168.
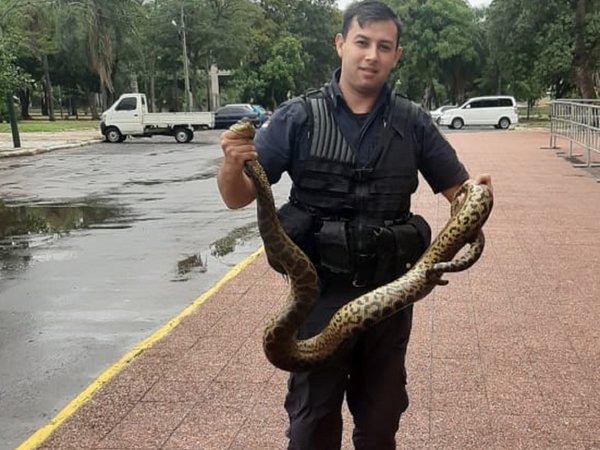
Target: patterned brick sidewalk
x: 504, y: 357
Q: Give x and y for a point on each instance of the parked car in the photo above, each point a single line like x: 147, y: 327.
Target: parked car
x: 499, y: 111
x: 227, y: 115
x: 263, y: 113
x: 437, y: 113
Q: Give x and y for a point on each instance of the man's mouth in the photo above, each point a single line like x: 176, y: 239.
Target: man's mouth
x: 368, y: 70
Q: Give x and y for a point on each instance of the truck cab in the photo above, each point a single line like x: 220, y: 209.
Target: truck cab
x: 128, y: 112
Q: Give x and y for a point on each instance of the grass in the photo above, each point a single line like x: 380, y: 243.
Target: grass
x: 39, y: 125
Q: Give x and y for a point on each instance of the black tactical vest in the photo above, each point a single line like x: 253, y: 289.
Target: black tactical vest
x: 330, y: 183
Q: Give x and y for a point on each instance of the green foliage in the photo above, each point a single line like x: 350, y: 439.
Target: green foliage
x: 284, y: 66
x: 440, y: 57
x: 12, y: 77
x: 533, y: 44
x: 275, y: 48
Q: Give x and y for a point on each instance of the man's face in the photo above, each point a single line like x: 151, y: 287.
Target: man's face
x: 368, y: 56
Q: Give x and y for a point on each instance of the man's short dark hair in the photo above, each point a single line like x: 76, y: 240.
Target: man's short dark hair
x: 370, y: 11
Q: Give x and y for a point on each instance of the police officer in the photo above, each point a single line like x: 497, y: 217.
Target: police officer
x: 353, y: 150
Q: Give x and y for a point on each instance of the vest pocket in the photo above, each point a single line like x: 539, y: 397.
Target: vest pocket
x: 334, y: 250
x: 412, y: 239
x: 399, y: 247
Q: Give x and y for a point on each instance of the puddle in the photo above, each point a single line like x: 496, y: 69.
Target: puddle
x: 206, y: 175
x: 237, y: 236
x: 189, y: 266
x: 32, y: 225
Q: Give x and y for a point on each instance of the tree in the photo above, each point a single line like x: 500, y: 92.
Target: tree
x: 12, y: 77
x: 586, y: 52
x: 553, y: 44
x: 284, y: 66
x: 440, y: 57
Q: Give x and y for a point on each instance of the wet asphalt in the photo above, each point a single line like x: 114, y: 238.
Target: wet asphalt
x: 100, y: 246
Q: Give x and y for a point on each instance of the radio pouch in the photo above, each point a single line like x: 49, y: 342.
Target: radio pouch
x: 412, y: 239
x: 298, y: 224
x: 333, y: 246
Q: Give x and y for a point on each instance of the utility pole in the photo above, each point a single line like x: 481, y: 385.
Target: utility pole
x: 13, y: 121
x: 186, y: 74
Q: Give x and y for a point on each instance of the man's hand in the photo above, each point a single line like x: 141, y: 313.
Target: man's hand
x: 483, y: 178
x: 237, y: 149
x: 236, y: 189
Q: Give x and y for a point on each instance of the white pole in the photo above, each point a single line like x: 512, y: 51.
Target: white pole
x: 188, y: 92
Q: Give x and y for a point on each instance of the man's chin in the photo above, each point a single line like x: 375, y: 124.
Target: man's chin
x: 370, y: 88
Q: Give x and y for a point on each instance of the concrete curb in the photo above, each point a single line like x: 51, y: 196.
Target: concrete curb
x: 38, y: 150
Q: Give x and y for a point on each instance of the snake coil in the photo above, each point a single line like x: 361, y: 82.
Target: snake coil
x: 470, y: 209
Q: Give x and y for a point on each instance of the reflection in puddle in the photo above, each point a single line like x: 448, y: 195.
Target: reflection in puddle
x: 207, y: 175
x: 237, y: 236
x: 190, y: 265
x: 23, y: 226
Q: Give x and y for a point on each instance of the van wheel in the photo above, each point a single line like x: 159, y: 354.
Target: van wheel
x: 504, y: 123
x: 457, y: 123
x: 183, y: 135
x: 113, y: 135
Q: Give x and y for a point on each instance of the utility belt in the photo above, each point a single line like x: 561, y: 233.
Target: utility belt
x: 362, y: 254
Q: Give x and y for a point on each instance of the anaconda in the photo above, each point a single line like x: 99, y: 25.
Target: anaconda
x: 469, y: 211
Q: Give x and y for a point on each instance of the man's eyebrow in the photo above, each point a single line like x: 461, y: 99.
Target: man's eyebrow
x: 382, y: 41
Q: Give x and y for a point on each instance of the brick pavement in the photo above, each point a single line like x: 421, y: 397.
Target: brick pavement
x: 504, y: 357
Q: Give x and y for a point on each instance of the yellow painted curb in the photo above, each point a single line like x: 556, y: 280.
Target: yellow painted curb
x: 43, y: 433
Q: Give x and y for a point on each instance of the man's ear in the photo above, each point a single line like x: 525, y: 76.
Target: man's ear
x: 399, y: 51
x: 339, y: 44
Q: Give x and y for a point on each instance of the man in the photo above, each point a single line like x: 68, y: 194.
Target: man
x: 353, y: 150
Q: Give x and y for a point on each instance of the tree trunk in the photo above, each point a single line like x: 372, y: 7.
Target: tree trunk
x: 582, y: 61
x: 92, y: 104
x: 73, y: 107
x: 24, y: 97
x: 48, y: 88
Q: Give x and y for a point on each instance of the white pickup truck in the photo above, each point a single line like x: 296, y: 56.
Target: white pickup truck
x: 129, y: 116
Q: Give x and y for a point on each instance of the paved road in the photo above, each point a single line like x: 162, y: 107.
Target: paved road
x: 147, y: 235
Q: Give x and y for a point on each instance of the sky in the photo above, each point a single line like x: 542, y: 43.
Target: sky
x: 343, y: 3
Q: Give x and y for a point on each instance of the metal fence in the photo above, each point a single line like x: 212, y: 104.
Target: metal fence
x: 577, y: 121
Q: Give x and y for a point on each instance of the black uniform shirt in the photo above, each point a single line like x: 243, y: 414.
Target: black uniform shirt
x: 282, y: 142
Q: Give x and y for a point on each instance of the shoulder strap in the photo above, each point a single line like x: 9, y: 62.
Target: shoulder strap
x: 400, y: 115
x: 325, y: 140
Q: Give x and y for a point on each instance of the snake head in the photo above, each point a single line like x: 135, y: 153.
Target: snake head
x: 243, y: 128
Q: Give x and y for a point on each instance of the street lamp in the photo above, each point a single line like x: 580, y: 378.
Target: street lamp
x: 186, y: 75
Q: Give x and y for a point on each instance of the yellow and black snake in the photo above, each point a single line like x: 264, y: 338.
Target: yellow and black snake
x: 469, y: 211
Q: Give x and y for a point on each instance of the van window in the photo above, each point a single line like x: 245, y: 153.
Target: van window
x: 487, y: 103
x: 127, y: 104
x: 505, y: 102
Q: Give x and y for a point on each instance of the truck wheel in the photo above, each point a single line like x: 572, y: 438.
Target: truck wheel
x: 183, y: 135
x: 113, y: 135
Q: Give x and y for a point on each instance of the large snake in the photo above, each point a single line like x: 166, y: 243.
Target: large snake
x: 470, y: 209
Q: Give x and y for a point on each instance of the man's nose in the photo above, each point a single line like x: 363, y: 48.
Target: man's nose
x: 372, y: 52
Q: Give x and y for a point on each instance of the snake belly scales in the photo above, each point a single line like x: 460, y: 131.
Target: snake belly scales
x: 469, y: 211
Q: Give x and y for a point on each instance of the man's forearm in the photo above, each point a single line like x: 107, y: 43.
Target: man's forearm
x: 237, y: 190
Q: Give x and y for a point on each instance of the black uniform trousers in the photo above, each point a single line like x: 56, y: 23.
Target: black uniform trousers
x: 370, y: 371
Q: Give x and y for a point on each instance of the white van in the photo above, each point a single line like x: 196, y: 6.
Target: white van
x: 499, y: 111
